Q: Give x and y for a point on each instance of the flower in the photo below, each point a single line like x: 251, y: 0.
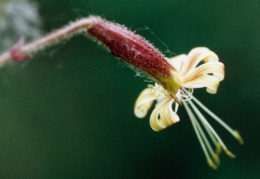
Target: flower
x: 191, y: 73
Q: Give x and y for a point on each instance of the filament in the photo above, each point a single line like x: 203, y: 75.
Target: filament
x: 198, y: 134
x: 203, y: 120
x: 214, y: 116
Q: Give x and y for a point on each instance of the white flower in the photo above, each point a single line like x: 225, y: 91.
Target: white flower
x: 192, y: 73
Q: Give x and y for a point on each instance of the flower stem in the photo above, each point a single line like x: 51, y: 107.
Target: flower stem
x: 50, y: 39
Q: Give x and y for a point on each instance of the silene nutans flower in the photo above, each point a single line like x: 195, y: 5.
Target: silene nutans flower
x: 175, y: 79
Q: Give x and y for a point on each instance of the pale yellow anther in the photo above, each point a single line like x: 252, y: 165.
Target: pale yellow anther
x: 229, y: 153
x: 218, y: 149
x: 238, y: 137
x: 216, y: 159
x: 211, y: 163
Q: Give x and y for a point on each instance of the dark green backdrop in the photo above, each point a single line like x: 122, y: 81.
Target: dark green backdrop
x: 68, y: 113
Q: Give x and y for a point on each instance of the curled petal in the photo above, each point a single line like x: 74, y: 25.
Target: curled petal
x: 195, y: 56
x: 163, y: 116
x: 144, y: 102
x: 177, y: 61
x: 214, y: 68
x: 208, y: 81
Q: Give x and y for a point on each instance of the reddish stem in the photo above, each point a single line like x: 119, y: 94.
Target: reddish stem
x: 55, y: 37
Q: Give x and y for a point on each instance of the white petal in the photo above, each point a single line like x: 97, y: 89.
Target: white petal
x: 214, y: 68
x: 177, y: 61
x: 163, y: 115
x: 195, y: 56
x: 144, y: 102
x: 208, y: 81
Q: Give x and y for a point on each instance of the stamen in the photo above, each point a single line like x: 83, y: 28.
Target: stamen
x: 178, y: 95
x: 193, y: 119
x: 218, y: 149
x: 203, y: 120
x: 186, y: 95
x: 214, y: 155
x: 238, y: 137
x: 212, y: 137
x: 235, y: 133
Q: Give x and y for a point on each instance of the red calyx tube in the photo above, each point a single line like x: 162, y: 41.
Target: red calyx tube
x: 133, y: 49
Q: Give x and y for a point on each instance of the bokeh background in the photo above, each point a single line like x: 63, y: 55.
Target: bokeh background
x: 68, y: 113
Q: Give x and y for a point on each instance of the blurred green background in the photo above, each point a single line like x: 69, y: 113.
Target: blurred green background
x: 68, y: 113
